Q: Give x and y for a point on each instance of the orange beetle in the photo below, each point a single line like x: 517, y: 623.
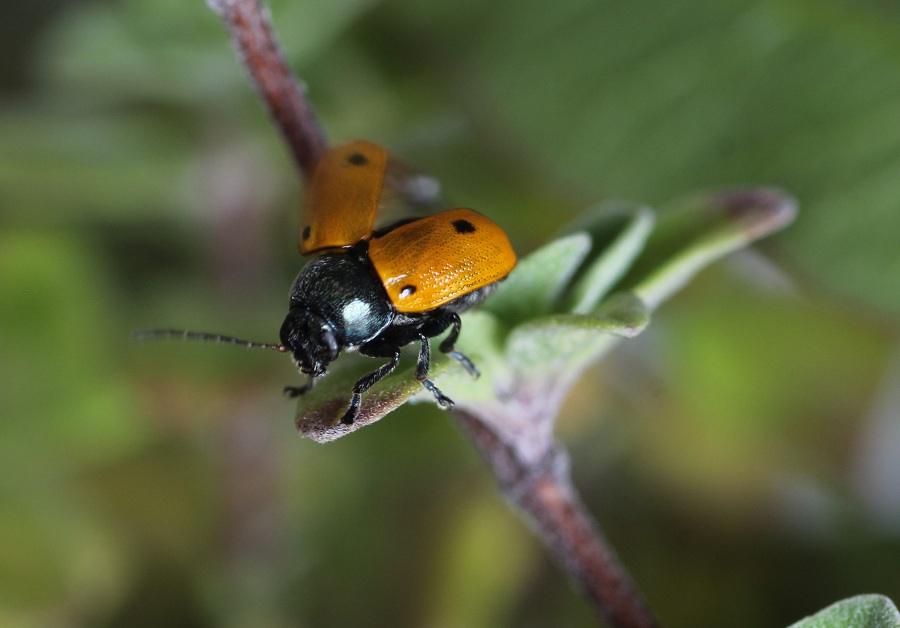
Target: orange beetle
x: 378, y: 288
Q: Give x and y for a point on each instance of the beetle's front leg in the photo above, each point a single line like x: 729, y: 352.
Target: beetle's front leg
x: 295, y: 391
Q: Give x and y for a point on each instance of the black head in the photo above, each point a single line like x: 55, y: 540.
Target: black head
x: 336, y: 303
x: 311, y: 340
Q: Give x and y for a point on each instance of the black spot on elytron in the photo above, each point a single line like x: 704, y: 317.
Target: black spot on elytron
x: 306, y: 232
x: 407, y: 291
x: 357, y: 159
x: 463, y: 226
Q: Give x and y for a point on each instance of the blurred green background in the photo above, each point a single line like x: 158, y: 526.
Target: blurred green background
x: 741, y: 454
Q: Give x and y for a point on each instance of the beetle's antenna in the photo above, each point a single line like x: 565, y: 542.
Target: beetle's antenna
x: 184, y: 334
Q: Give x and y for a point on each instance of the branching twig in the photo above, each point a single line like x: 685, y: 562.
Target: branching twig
x: 252, y: 36
x: 540, y: 488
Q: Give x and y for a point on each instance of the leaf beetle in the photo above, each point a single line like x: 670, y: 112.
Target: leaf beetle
x: 375, y: 288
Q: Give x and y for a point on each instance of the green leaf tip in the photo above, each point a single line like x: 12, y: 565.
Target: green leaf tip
x: 863, y: 611
x: 702, y: 230
x: 622, y: 314
x: 755, y: 212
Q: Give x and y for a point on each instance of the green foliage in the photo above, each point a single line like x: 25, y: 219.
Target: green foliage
x: 863, y: 611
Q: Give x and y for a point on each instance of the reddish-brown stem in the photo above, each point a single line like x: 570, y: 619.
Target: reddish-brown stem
x: 544, y: 493
x: 252, y: 36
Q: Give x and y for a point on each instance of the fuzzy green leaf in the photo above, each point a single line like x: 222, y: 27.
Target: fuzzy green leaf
x: 869, y: 611
x: 618, y: 233
x: 537, y: 282
x: 563, y: 341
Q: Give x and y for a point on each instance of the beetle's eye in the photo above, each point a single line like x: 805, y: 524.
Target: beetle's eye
x: 328, y: 347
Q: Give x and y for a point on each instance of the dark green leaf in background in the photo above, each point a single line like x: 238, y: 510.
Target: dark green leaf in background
x: 650, y: 100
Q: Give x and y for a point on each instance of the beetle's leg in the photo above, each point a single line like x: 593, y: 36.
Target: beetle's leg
x: 450, y: 342
x: 422, y: 366
x: 364, y: 383
x: 296, y: 391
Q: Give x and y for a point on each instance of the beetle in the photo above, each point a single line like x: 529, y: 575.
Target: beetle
x: 378, y: 282
x: 376, y: 290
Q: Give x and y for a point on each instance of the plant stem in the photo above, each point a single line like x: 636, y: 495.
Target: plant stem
x: 252, y: 36
x: 544, y: 493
